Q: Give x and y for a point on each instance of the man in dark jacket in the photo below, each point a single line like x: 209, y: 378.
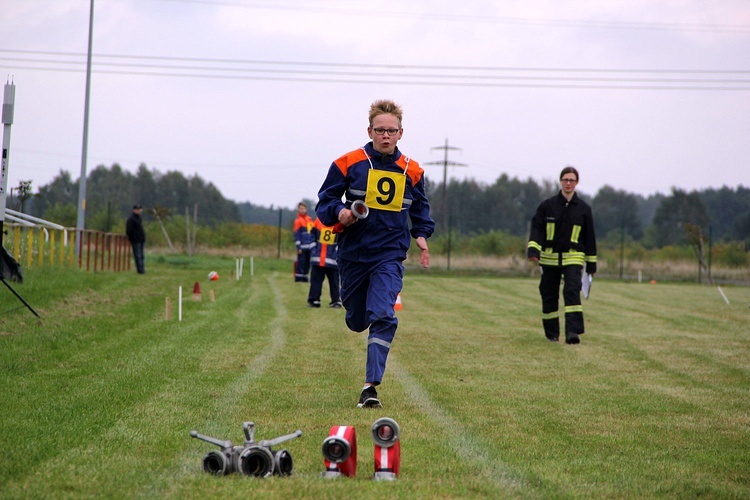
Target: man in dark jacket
x: 137, y: 236
x: 562, y: 241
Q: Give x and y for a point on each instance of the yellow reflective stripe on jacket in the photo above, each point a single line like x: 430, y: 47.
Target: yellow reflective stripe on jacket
x: 550, y: 231
x: 572, y: 258
x: 575, y: 234
x: 535, y: 245
x: 591, y: 258
x: 547, y: 258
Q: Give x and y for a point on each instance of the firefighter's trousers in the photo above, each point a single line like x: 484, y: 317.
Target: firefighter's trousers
x: 549, y: 288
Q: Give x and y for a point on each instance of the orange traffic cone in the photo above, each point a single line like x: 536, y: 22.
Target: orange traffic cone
x: 398, y: 305
x: 197, y: 291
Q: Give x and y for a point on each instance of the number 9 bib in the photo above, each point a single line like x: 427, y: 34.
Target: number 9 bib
x: 385, y: 190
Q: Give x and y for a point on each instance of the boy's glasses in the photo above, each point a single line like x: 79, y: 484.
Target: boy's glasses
x: 389, y: 131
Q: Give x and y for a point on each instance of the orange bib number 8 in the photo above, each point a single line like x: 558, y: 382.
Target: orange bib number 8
x: 385, y: 190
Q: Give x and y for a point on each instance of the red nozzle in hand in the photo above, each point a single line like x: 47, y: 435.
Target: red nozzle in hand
x: 359, y: 210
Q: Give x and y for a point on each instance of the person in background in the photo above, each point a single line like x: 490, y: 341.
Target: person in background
x: 323, y: 264
x: 372, y: 250
x: 562, y: 242
x: 304, y: 241
x: 137, y: 237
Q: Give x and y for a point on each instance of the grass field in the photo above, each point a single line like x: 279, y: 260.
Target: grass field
x: 99, y: 397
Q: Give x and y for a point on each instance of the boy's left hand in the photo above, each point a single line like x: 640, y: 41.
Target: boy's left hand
x: 424, y: 256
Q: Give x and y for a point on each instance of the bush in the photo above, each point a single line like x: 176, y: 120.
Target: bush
x: 732, y: 255
x: 498, y: 243
x: 672, y: 253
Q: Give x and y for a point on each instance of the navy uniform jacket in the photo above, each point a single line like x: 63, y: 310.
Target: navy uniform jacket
x: 323, y: 254
x: 384, y: 234
x: 303, y: 238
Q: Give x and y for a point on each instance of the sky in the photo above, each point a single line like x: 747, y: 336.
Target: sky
x: 258, y: 97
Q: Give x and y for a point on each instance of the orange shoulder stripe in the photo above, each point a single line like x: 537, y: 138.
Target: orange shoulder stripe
x: 302, y: 222
x: 414, y: 171
x: 349, y: 159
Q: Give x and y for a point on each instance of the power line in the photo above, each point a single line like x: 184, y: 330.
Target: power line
x: 395, y: 75
x: 453, y: 76
x: 379, y: 66
x: 483, y: 19
x: 410, y: 83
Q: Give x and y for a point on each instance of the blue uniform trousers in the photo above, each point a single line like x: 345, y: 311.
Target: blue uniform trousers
x: 369, y: 291
x: 302, y: 266
x: 317, y: 273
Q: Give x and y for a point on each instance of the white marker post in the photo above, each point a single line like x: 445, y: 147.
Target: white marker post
x: 9, y: 98
x: 9, y: 102
x: 179, y: 304
x: 722, y: 294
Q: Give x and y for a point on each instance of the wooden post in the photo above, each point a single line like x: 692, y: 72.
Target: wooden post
x: 63, y: 243
x: 41, y: 245
x: 30, y: 248
x: 52, y: 247
x: 72, y: 249
x: 17, y: 242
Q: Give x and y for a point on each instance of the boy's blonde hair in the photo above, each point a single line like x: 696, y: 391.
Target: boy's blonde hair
x: 384, y: 107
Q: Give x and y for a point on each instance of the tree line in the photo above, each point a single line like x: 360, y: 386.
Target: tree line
x: 465, y: 207
x: 468, y: 207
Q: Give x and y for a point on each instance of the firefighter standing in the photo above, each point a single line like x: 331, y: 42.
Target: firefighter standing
x: 562, y: 241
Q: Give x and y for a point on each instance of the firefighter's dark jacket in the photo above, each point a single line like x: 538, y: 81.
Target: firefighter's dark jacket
x: 562, y: 233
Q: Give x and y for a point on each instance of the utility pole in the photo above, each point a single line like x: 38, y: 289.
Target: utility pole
x: 81, y: 220
x: 445, y: 163
x: 8, y: 264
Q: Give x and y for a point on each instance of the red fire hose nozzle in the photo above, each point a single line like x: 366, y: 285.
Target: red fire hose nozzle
x: 359, y: 210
